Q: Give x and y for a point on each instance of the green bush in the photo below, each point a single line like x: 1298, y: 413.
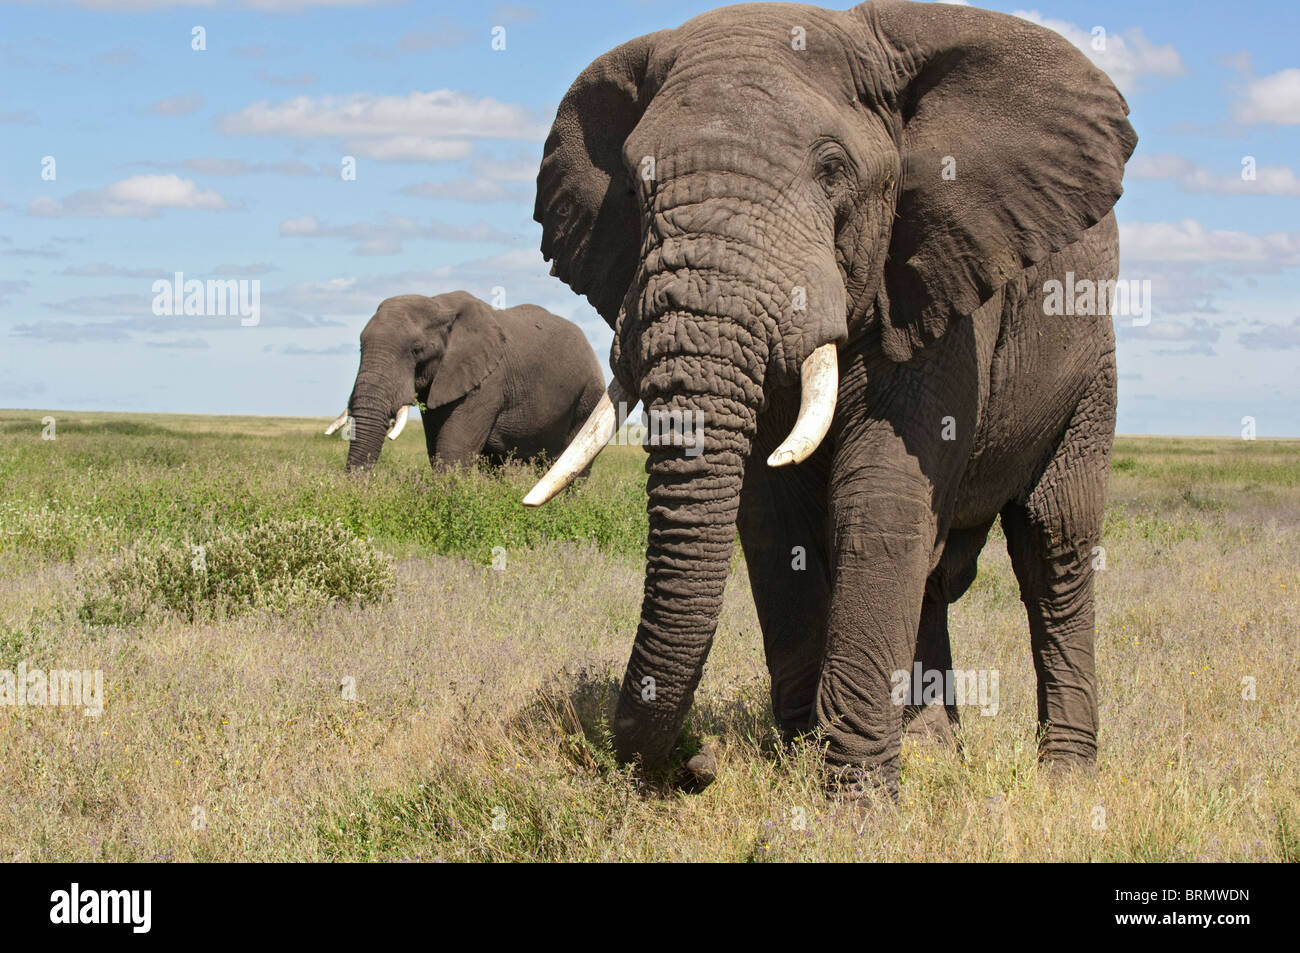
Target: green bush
x: 274, y: 565
x: 53, y: 531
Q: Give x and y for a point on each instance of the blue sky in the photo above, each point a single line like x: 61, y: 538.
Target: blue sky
x: 226, y: 162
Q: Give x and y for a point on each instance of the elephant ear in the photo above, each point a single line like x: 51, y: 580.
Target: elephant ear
x: 1013, y: 144
x: 591, y: 227
x: 476, y: 346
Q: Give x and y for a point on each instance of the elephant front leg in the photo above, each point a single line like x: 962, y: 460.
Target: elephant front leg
x: 783, y: 530
x: 466, y: 431
x: 884, y: 540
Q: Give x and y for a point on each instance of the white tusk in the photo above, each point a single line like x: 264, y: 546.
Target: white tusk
x: 399, y: 422
x: 820, y: 380
x: 588, y: 442
x: 338, y: 422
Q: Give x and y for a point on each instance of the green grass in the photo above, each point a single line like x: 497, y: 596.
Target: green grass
x: 278, y: 566
x: 475, y: 720
x: 103, y: 483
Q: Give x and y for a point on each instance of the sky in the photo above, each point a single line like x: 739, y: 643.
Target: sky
x: 128, y: 155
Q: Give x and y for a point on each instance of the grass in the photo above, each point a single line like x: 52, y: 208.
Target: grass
x: 277, y: 566
x: 105, y: 483
x: 466, y: 716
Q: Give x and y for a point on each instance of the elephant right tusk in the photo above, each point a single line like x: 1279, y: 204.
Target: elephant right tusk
x: 399, y: 422
x: 338, y: 422
x: 820, y: 380
x: 584, y: 447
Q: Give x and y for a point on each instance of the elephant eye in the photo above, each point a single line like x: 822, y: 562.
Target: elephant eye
x: 831, y: 167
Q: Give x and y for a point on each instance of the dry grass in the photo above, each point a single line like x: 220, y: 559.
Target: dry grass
x: 478, y: 726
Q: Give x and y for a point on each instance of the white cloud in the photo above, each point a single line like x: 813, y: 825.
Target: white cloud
x: 1269, y: 180
x: 386, y: 237
x: 137, y: 6
x: 1273, y: 99
x: 181, y: 344
x: 225, y: 168
x: 140, y: 196
x: 10, y: 288
x: 522, y: 168
x: 177, y: 106
x: 1124, y: 57
x: 408, y: 149
x: 253, y: 270
x: 513, y: 13
x: 305, y: 78
x: 1271, y: 337
x: 1189, y: 240
x: 473, y: 190
x: 521, y: 272
x: 101, y: 269
x: 421, y: 126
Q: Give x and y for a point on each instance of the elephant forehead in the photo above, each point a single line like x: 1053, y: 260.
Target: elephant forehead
x: 768, y: 46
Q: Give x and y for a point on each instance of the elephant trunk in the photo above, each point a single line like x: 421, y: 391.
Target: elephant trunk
x: 385, y: 385
x: 371, y: 407
x: 699, y: 441
x: 368, y: 428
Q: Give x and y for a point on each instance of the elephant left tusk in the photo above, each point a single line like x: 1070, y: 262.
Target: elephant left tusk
x: 820, y: 380
x: 399, y: 422
x: 338, y: 422
x: 584, y: 447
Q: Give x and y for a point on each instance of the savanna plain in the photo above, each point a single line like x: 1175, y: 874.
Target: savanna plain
x: 303, y: 665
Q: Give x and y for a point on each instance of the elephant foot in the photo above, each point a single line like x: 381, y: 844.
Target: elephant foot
x: 1062, y: 767
x: 699, y: 771
x: 847, y: 783
x: 931, y: 725
x: 1063, y: 751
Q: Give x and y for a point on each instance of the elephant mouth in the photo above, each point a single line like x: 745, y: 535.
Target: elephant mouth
x: 819, y: 388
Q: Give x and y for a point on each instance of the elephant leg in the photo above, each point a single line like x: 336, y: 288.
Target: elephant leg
x: 947, y: 583
x: 882, y: 556
x: 433, y: 419
x: 924, y: 720
x: 892, y: 488
x: 466, y: 432
x: 1050, y: 537
x: 783, y: 531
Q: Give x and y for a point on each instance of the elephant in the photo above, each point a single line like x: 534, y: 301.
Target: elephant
x: 491, y: 382
x: 827, y: 235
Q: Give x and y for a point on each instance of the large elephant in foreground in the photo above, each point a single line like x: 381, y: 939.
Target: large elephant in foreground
x: 830, y: 233
x: 493, y: 382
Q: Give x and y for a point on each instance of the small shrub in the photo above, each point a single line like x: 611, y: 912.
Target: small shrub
x: 275, y: 565
x: 52, y: 532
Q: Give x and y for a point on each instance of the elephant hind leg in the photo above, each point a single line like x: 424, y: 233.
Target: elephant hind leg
x: 1051, y: 538
x: 946, y: 584
x: 1056, y: 587
x: 586, y: 403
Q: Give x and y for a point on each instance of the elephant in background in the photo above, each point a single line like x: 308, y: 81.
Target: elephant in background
x: 492, y: 382
x: 828, y: 235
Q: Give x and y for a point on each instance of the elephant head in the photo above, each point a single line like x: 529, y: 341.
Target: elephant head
x: 742, y: 196
x: 417, y: 349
